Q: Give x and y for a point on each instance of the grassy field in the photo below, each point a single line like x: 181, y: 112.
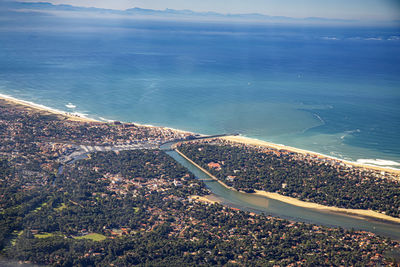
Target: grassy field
x: 43, y: 235
x: 93, y: 237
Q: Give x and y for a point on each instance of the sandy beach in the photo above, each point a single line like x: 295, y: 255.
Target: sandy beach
x: 310, y: 205
x: 250, y: 141
x: 44, y: 110
x: 237, y: 139
x: 206, y: 199
x: 72, y: 117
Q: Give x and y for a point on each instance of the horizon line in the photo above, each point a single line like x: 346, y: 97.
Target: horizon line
x: 210, y: 14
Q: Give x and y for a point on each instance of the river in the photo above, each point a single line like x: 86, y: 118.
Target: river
x: 267, y: 206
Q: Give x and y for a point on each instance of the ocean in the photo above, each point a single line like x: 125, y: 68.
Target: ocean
x: 332, y: 89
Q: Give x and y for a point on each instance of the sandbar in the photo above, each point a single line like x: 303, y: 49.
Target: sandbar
x: 311, y: 205
x: 206, y: 199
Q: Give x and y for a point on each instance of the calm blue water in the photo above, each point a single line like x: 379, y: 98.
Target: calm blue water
x: 334, y: 90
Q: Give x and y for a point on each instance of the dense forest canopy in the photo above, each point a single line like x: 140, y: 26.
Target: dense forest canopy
x: 247, y: 168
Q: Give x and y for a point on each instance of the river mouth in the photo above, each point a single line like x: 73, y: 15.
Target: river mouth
x: 267, y: 206
x: 271, y: 207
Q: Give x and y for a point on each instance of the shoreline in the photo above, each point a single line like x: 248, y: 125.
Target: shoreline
x: 243, y: 140
x: 41, y: 108
x: 71, y: 116
x: 251, y: 141
x: 237, y: 139
x: 364, y: 214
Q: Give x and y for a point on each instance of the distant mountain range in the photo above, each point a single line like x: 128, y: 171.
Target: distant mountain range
x: 169, y: 13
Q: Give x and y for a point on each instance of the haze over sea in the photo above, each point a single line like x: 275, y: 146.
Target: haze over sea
x: 329, y: 89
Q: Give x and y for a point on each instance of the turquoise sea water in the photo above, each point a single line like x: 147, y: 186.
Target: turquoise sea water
x: 333, y: 90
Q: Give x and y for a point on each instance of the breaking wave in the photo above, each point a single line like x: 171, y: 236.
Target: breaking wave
x: 379, y: 162
x: 70, y: 105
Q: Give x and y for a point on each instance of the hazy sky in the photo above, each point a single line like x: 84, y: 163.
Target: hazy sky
x: 345, y: 9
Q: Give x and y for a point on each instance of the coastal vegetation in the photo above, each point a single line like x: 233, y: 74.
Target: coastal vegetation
x: 249, y: 168
x: 136, y: 207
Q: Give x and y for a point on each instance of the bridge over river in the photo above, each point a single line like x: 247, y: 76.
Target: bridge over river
x: 81, y: 151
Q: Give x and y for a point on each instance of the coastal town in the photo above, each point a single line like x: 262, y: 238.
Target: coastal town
x: 121, y: 201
